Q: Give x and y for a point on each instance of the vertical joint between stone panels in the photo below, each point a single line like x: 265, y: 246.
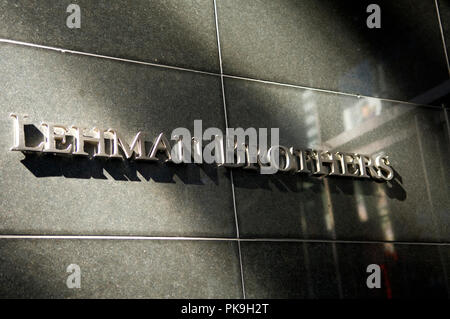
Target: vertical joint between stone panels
x: 216, y: 20
x: 338, y: 270
x: 442, y: 36
x: 434, y: 218
x: 447, y: 121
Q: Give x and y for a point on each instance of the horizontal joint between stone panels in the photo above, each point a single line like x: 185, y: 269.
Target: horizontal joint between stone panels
x: 62, y: 50
x: 173, y: 238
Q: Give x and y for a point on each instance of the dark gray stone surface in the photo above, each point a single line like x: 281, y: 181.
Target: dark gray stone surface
x: 180, y: 33
x: 412, y: 207
x: 333, y: 270
x: 119, y: 269
x: 444, y: 252
x: 274, y: 270
x: 322, y: 44
x: 327, y: 44
x: 289, y: 270
x: 408, y: 271
x: 444, y: 12
x: 54, y: 195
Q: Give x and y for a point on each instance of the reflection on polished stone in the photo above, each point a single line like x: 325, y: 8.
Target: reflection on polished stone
x: 326, y: 44
x: 413, y: 206
x: 444, y: 13
x: 407, y: 271
x: 339, y: 270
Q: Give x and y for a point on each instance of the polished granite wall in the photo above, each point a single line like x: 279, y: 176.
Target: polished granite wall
x: 311, y: 68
